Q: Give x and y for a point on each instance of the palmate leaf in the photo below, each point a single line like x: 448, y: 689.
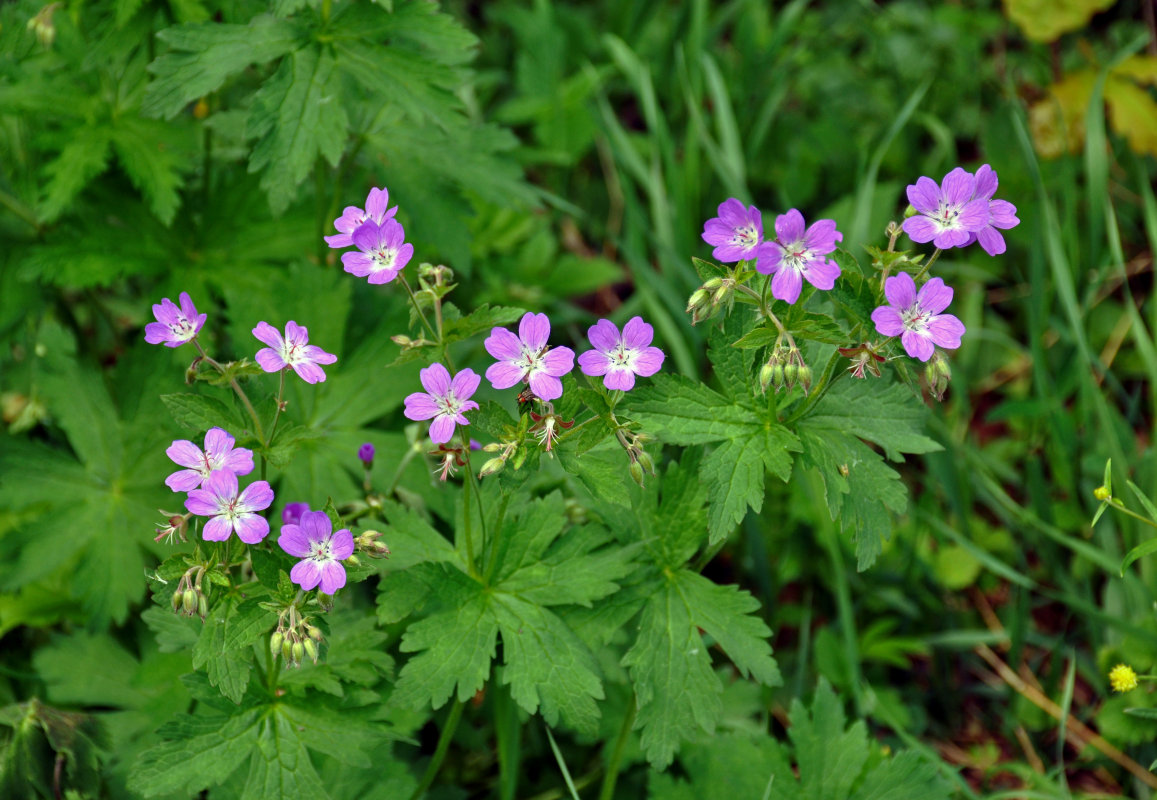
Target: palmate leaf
x: 753, y: 442
x: 203, y: 55
x: 147, y: 151
x: 82, y: 159
x: 295, y: 117
x: 677, y: 689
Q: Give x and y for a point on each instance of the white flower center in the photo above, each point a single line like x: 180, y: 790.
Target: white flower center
x: 321, y: 551
x: 622, y: 356
x: 796, y: 256
x: 946, y: 215
x: 383, y: 258
x: 747, y: 236
x: 915, y: 319
x: 448, y: 404
x: 182, y: 328
x: 530, y: 361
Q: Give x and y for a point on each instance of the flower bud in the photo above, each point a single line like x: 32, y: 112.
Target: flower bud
x: 493, y: 447
x: 177, y: 601
x: 492, y: 467
x: 189, y: 601
x: 777, y: 376
x: 310, y: 649
x: 401, y: 340
x: 790, y: 374
x: 766, y: 372
x: 805, y: 376
x: 646, y: 463
x: 313, y: 632
x: 275, y: 642
x: 910, y: 211
x: 296, y: 652
x: 1102, y: 493
x: 721, y: 295
x: 637, y: 472
x: 711, y: 284
x: 366, y: 455
x: 698, y: 299
x: 325, y: 601
x: 202, y: 607
x: 286, y: 649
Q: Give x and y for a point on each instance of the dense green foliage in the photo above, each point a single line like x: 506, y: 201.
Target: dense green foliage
x: 562, y: 157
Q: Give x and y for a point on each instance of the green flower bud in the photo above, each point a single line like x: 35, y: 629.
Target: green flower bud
x: 177, y: 601
x: 202, y: 607
x: 721, y: 295
x: 646, y: 463
x: 777, y: 376
x: 314, y: 633
x: 189, y: 601
x: 790, y: 374
x: 637, y: 472
x: 805, y: 377
x: 310, y: 649
x: 698, y: 298
x: 275, y: 642
x: 492, y: 467
x: 296, y: 652
x: 286, y: 650
x: 766, y: 372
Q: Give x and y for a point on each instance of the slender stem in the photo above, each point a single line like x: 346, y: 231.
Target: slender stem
x: 418, y: 308
x: 490, y: 557
x: 614, y: 763
x: 277, y: 411
x: 406, y: 459
x: 447, y: 734
x: 928, y: 264
x: 469, y: 487
x: 1115, y: 503
x: 472, y: 487
x: 257, y: 427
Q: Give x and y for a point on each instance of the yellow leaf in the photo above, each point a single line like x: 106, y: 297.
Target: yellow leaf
x: 1058, y: 121
x: 1133, y: 114
x: 1046, y: 20
x: 1141, y: 69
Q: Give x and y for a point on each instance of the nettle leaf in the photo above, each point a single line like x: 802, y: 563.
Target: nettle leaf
x: 295, y: 117
x: 205, y: 54
x: 753, y: 442
x: 838, y: 763
x: 677, y: 689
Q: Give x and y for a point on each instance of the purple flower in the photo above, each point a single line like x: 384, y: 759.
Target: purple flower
x: 353, y: 217
x: 292, y: 351
x: 230, y: 511
x: 948, y: 214
x: 218, y: 454
x: 445, y: 402
x: 798, y: 255
x: 526, y: 357
x: 382, y: 251
x: 916, y: 318
x: 174, y: 326
x: 1001, y: 213
x: 737, y: 233
x: 291, y: 514
x: 320, y: 549
x: 366, y: 454
x: 621, y: 358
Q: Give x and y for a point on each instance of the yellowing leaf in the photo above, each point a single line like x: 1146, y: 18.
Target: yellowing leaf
x: 1140, y: 69
x: 1132, y: 113
x: 1058, y: 121
x: 1046, y: 20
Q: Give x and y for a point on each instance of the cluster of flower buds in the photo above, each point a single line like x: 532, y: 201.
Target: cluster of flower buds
x: 713, y: 295
x: 295, y: 638
x: 641, y: 462
x: 190, y: 598
x: 938, y: 373
x: 785, y: 369
x: 367, y: 542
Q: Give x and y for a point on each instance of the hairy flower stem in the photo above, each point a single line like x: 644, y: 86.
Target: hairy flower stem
x: 277, y: 411
x: 421, y: 314
x: 257, y: 427
x: 472, y: 488
x: 615, y: 762
x: 448, y: 728
x: 928, y: 265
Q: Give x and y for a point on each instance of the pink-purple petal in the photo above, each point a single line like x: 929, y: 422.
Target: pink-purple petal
x: 156, y: 332
x: 991, y: 240
x: 377, y: 202
x: 218, y: 442
x: 822, y: 273
x: 594, y: 362
x: 203, y: 503
x: 545, y: 386
x: 442, y: 429
x: 216, y: 530
x: 534, y: 331
x: 648, y: 361
x: 251, y: 528
x: 558, y: 361
x: 620, y: 378
x: 637, y: 334
x: 257, y: 496
x: 342, y: 545
x: 269, y: 335
x: 946, y: 331
x: 603, y: 335
x: 986, y: 182
x: 435, y: 380
x: 358, y: 264
x: 185, y: 480
x: 786, y: 285
x: 306, y: 574
x: 974, y: 215
x: 309, y: 372
x: 186, y: 454
x: 789, y: 227
x: 465, y: 383
x: 924, y: 195
x: 420, y: 406
x: 503, y: 375
x: 270, y: 360
x: 917, y: 345
x: 888, y: 321
x: 900, y: 290
x: 958, y: 186
x: 503, y: 345
x: 293, y: 541
x: 332, y: 577
x: 1002, y: 214
x: 920, y: 229
x: 315, y: 526
x: 317, y: 355
x: 934, y: 296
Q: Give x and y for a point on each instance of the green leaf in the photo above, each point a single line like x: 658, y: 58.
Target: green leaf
x: 480, y: 320
x: 295, y: 117
x: 687, y: 412
x: 573, y: 571
x: 204, y: 54
x: 455, y: 647
x: 145, y: 149
x: 82, y: 159
x: 677, y: 690
x: 421, y: 87
x: 602, y: 471
x: 228, y: 667
x: 198, y: 412
x: 891, y: 417
x: 547, y: 665
x: 197, y: 752
x: 734, y: 475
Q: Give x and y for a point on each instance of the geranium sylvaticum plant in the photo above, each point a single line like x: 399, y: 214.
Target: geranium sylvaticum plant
x: 574, y: 485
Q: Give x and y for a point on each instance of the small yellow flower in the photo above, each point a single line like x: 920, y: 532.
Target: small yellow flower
x: 1102, y: 493
x: 1122, y: 678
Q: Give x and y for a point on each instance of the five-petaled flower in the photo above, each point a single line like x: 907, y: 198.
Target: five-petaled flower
x: 621, y: 358
x: 175, y: 325
x: 948, y: 213
x: 218, y: 454
x: 916, y: 318
x: 229, y: 510
x: 526, y: 357
x: 382, y: 251
x: 798, y: 255
x: 292, y: 351
x: 321, y: 550
x: 352, y: 217
x: 737, y: 233
x: 1001, y: 213
x: 444, y: 400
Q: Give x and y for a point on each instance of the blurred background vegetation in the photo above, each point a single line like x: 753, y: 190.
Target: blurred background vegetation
x: 562, y: 156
